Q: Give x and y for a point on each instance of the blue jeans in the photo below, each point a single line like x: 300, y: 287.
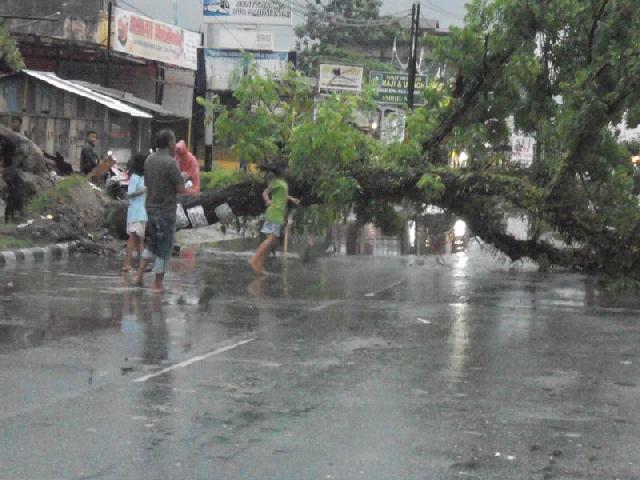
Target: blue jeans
x: 160, y: 242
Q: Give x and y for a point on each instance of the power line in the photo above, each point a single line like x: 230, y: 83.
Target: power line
x: 441, y: 10
x: 136, y: 8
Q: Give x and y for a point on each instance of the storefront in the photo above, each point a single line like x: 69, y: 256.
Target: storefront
x: 56, y: 115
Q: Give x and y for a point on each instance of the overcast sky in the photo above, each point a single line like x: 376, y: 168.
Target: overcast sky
x: 448, y: 12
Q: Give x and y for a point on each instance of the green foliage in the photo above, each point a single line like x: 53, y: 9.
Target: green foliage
x: 325, y: 149
x: 265, y: 116
x: 382, y: 214
x: 563, y: 72
x: 219, y: 179
x: 10, y: 58
x: 347, y: 31
x: 432, y: 186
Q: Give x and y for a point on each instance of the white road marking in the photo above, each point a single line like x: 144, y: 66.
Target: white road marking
x: 422, y: 320
x: 193, y: 360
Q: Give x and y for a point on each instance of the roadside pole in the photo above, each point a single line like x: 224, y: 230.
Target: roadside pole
x: 109, y: 34
x: 413, y: 62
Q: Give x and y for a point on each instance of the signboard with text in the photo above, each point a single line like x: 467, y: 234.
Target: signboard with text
x: 522, y: 149
x: 147, y: 38
x: 224, y: 66
x: 393, y: 88
x: 240, y: 39
x: 259, y: 12
x: 340, y: 78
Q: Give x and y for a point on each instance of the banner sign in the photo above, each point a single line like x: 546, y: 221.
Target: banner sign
x: 522, y: 149
x: 239, y: 39
x: 340, y: 78
x: 224, y: 65
x: 393, y: 88
x: 259, y: 12
x: 147, y: 38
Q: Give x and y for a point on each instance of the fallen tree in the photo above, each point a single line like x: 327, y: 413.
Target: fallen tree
x: 24, y: 172
x: 529, y: 63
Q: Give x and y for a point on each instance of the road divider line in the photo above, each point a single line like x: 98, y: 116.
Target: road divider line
x: 193, y: 360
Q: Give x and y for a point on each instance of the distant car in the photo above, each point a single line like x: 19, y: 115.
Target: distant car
x: 459, y: 244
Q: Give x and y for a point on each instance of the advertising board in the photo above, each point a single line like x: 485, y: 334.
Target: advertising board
x: 258, y: 12
x: 340, y: 78
x: 393, y: 88
x: 145, y: 37
x: 223, y: 65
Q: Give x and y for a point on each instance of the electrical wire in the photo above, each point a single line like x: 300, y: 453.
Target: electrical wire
x: 441, y: 10
x: 26, y: 24
x: 136, y: 8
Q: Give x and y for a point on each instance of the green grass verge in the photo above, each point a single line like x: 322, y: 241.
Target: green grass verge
x: 63, y: 191
x: 9, y: 243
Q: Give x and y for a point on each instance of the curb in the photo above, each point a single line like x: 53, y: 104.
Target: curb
x: 37, y: 254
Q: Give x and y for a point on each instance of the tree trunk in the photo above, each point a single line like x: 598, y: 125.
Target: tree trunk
x: 24, y: 172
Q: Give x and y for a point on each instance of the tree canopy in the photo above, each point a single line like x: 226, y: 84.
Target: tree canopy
x: 351, y: 31
x: 10, y: 58
x: 566, y: 72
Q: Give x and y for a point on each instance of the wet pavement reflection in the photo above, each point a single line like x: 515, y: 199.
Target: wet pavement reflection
x: 446, y: 366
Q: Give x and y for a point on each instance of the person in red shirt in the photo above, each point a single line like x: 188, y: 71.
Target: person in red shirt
x: 189, y: 168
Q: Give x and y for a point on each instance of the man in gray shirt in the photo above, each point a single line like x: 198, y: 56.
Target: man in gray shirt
x: 164, y: 182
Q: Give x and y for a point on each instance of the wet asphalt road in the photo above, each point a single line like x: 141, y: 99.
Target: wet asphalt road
x: 345, y: 368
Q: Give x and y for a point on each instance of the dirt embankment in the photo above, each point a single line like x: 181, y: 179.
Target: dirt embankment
x: 73, y: 210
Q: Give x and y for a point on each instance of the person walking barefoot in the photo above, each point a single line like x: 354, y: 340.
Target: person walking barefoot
x: 164, y: 182
x: 276, y: 198
x: 137, y: 214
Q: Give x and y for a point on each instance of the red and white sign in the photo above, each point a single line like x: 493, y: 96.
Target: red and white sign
x: 145, y: 37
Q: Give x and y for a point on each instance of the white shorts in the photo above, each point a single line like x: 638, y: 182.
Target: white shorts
x: 272, y: 229
x: 138, y: 228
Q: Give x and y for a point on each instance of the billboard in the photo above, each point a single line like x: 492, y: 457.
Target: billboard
x: 223, y: 65
x: 236, y: 39
x: 522, y: 149
x: 393, y: 88
x: 144, y: 37
x: 340, y: 78
x: 259, y: 12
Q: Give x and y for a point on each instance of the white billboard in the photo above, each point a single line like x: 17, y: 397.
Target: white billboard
x: 259, y: 12
x: 224, y: 65
x: 243, y: 39
x: 522, y: 149
x: 340, y: 78
x: 147, y: 38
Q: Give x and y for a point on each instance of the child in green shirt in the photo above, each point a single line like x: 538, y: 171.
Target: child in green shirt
x: 276, y: 197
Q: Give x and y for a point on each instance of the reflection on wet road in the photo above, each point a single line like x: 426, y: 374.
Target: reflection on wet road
x: 344, y: 368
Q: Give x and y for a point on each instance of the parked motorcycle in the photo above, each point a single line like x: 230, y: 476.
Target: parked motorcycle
x: 117, y: 183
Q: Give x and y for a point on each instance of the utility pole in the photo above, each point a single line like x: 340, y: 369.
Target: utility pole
x: 109, y: 35
x: 413, y: 61
x: 175, y: 12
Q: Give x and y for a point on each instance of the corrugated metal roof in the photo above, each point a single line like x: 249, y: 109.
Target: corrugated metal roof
x: 131, y: 99
x: 82, y: 91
